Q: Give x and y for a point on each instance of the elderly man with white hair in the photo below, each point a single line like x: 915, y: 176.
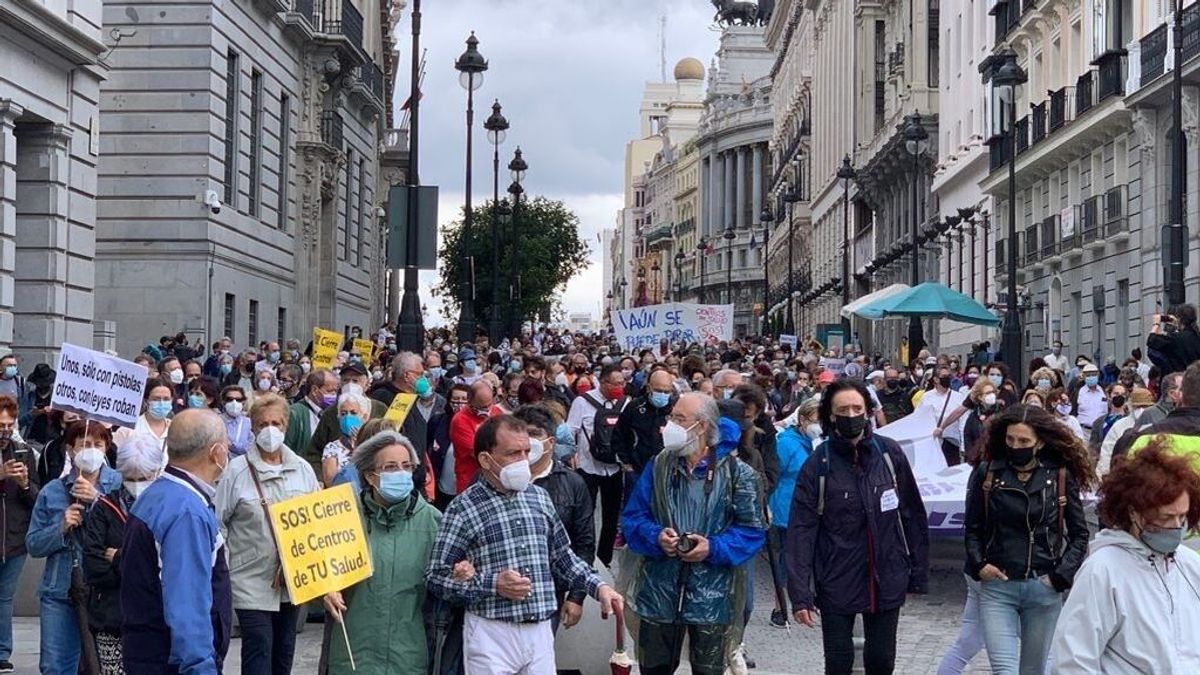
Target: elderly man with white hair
x: 354, y: 409
x: 139, y: 461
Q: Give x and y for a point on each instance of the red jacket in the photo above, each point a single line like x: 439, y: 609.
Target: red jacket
x: 462, y: 436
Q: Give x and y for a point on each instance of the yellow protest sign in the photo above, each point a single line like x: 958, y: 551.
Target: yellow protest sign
x: 326, y: 344
x: 366, y: 348
x: 401, y: 405
x: 321, y: 542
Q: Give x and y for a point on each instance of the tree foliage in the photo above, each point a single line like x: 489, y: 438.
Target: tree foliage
x: 551, y: 253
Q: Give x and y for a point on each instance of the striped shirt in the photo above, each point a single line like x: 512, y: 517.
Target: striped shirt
x: 499, y: 532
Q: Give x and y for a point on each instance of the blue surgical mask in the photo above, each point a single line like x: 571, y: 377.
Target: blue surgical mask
x: 349, y: 424
x: 423, y: 388
x: 274, y: 356
x: 564, y: 442
x: 437, y: 372
x: 195, y: 401
x: 659, y: 399
x: 226, y: 368
x: 10, y: 372
x: 159, y: 409
x: 395, y: 486
x: 996, y: 380
x: 1091, y: 380
x: 1043, y: 384
x: 469, y: 366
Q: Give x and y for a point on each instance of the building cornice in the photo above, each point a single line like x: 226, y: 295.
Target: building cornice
x: 39, y: 23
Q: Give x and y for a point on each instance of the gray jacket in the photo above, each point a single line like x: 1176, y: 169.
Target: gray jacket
x: 253, y: 559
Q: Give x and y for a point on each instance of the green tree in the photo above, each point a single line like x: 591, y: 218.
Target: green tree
x: 551, y: 254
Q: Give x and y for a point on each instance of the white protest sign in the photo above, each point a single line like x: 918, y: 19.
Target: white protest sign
x: 98, y: 386
x: 788, y: 340
x: 676, y: 322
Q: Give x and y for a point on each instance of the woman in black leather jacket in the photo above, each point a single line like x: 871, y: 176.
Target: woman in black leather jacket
x: 1025, y: 533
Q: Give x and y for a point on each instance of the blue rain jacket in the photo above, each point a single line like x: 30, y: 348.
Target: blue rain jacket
x: 730, y: 516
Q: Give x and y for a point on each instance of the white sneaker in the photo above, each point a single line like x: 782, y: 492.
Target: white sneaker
x: 737, y: 663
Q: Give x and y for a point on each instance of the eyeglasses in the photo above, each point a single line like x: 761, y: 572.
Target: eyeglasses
x: 227, y: 399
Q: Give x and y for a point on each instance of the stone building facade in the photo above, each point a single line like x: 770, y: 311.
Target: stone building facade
x: 52, y: 61
x: 274, y: 109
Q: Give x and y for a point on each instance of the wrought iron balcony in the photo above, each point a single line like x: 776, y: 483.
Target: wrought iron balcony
x: 372, y: 78
x: 1190, y: 24
x: 1112, y: 76
x: 999, y: 155
x: 1115, y: 221
x: 1060, y: 107
x: 1050, y: 237
x: 1085, y: 92
x: 1022, y: 129
x: 332, y: 128
x: 1154, y: 54
x: 1089, y: 219
x: 1007, y: 14
x: 341, y: 17
x: 1037, y: 122
x: 1031, y: 249
x: 305, y: 8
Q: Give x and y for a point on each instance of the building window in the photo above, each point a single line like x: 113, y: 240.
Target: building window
x: 932, y: 52
x: 285, y: 149
x: 880, y: 72
x: 349, y: 201
x: 232, y: 89
x: 252, y: 324
x: 362, y: 207
x: 281, y: 331
x: 255, y: 142
x: 230, y: 307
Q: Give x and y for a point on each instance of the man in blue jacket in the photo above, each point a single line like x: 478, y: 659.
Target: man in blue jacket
x: 696, y: 517
x: 175, y: 592
x: 857, y: 534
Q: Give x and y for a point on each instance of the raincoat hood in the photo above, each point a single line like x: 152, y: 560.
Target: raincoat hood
x: 731, y: 437
x: 1121, y: 539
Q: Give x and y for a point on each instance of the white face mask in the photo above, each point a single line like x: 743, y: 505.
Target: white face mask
x: 269, y: 439
x: 560, y: 379
x: 233, y: 408
x: 264, y: 385
x: 516, y: 476
x: 989, y: 399
x: 89, y: 460
x: 678, y: 439
x: 813, y: 431
x: 176, y: 376
x: 137, y: 487
x: 537, y: 449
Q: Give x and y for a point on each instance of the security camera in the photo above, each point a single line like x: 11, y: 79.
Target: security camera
x: 212, y: 201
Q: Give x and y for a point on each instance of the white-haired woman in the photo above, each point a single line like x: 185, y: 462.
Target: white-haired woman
x: 354, y: 409
x: 401, y: 527
x: 139, y: 461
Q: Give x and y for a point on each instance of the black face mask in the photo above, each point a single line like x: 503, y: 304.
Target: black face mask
x: 944, y: 381
x: 850, y: 426
x: 1020, y: 456
x: 1118, y: 401
x: 892, y: 384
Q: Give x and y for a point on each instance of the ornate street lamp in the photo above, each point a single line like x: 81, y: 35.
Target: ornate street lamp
x: 1007, y: 77
x: 471, y: 66
x: 679, y: 257
x: 701, y: 248
x: 729, y: 237
x: 496, y: 126
x: 516, y: 168
x: 916, y: 141
x: 846, y: 173
x: 766, y: 217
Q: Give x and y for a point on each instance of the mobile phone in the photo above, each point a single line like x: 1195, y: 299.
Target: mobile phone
x: 19, y: 453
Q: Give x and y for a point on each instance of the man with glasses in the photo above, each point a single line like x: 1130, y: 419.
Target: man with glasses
x: 408, y: 377
x: 304, y: 415
x: 638, y: 436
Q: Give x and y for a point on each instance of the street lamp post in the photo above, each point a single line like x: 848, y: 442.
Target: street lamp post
x: 701, y: 247
x: 657, y: 281
x: 411, y: 324
x: 471, y: 66
x: 846, y: 173
x: 916, y: 141
x: 729, y: 236
x: 1005, y: 80
x: 767, y: 217
x: 1176, y: 239
x: 496, y: 127
x: 624, y: 293
x: 678, y: 293
x: 790, y: 198
x: 516, y: 168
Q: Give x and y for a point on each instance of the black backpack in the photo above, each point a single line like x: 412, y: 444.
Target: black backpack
x: 603, y: 427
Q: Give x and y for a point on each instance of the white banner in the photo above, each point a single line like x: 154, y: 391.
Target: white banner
x: 98, y: 386
x: 944, y: 490
x: 676, y: 322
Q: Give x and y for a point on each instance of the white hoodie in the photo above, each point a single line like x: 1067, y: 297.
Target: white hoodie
x: 1130, y: 610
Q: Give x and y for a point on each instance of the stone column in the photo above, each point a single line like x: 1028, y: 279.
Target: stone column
x: 730, y: 190
x: 740, y: 195
x: 756, y: 189
x: 717, y: 183
x: 9, y: 112
x: 42, y: 241
x: 705, y: 187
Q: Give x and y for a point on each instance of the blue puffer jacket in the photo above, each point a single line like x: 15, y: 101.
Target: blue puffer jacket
x: 730, y: 517
x: 793, y: 447
x: 45, y: 538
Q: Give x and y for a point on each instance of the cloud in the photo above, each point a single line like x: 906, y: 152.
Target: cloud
x: 569, y: 76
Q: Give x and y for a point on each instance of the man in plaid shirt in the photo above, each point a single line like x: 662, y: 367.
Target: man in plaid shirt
x: 514, y: 546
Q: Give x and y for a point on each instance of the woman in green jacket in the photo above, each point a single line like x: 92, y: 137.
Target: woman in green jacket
x: 383, y: 614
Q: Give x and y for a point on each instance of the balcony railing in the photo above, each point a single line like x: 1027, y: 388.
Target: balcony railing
x: 1001, y: 261
x: 1154, y: 54
x: 341, y: 17
x: 1190, y: 23
x: 1114, y: 211
x: 1084, y: 92
x: 999, y: 154
x: 1032, y: 251
x: 305, y: 9
x: 1060, y: 106
x: 1089, y: 219
x: 331, y: 128
x: 1112, y: 76
x: 372, y: 78
x: 1007, y: 14
x: 1049, y: 236
x: 1037, y: 122
x: 1022, y: 129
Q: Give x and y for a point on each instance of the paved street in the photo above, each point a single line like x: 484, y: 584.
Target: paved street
x: 928, y: 625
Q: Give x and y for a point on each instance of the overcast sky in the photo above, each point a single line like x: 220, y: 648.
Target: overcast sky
x: 569, y: 74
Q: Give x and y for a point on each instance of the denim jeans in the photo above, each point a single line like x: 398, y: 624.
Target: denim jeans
x: 879, y: 650
x: 10, y: 571
x: 970, y: 635
x: 1024, y: 609
x: 268, y: 640
x: 59, y: 638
